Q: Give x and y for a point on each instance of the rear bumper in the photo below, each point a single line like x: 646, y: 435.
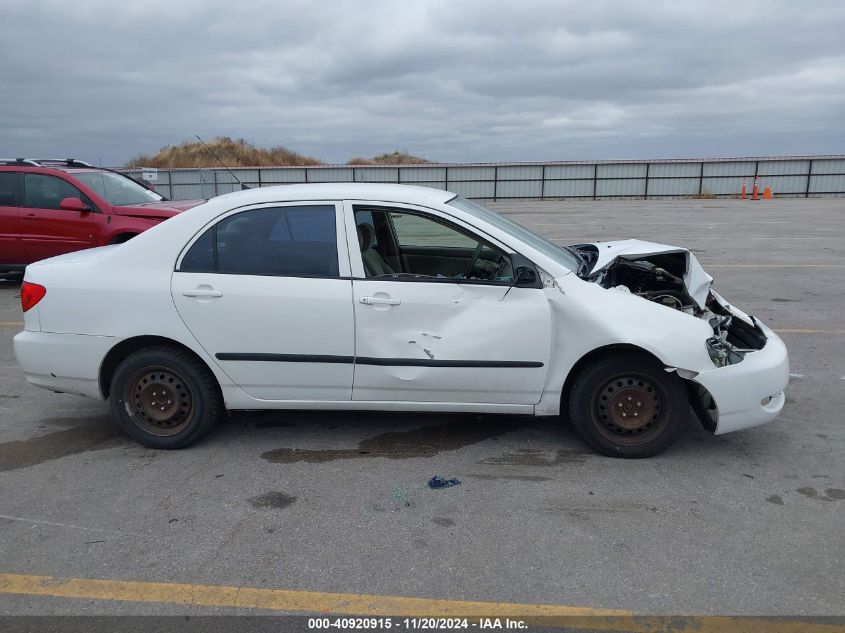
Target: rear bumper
x: 749, y: 393
x: 66, y: 363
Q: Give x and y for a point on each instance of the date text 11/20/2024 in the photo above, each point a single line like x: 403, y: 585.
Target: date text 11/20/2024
x: 430, y: 624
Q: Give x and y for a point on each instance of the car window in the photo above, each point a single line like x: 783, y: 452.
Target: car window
x: 551, y: 250
x: 414, y: 230
x: 46, y: 192
x: 299, y: 241
x: 8, y: 189
x: 118, y: 189
x: 402, y: 244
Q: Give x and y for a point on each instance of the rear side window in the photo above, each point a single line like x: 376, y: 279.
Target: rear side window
x: 295, y: 241
x: 8, y: 189
x: 46, y: 192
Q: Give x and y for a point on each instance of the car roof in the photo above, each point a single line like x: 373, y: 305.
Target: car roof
x: 339, y: 191
x: 48, y: 168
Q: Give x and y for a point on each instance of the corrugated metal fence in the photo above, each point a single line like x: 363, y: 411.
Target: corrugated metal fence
x: 794, y: 176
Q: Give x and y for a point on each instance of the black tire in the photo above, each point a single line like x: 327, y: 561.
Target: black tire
x: 163, y: 397
x: 626, y: 404
x: 123, y: 238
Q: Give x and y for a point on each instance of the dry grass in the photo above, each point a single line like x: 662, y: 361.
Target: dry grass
x: 233, y: 152
x: 394, y: 158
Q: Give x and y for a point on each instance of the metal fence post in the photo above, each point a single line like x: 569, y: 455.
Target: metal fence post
x: 543, y: 184
x: 645, y: 193
x: 595, y: 180
x: 809, y: 176
x: 701, y: 179
x: 495, y: 182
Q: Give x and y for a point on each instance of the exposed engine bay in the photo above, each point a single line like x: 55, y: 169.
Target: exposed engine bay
x: 672, y: 278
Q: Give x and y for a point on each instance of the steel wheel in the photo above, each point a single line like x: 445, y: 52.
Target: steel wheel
x: 629, y: 409
x: 159, y: 401
x: 625, y: 404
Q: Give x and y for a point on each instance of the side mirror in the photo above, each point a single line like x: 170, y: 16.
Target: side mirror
x: 525, y: 276
x: 74, y: 204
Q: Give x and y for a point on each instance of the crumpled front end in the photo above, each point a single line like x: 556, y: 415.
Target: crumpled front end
x: 745, y: 393
x: 750, y: 369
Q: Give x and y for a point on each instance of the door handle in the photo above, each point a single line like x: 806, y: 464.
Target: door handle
x: 380, y: 301
x: 202, y: 292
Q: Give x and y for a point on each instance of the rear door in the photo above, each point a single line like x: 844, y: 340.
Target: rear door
x: 267, y: 293
x: 436, y: 318
x: 46, y: 229
x: 10, y: 231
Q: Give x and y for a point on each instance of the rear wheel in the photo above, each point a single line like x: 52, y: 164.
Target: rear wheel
x: 625, y: 404
x: 163, y: 397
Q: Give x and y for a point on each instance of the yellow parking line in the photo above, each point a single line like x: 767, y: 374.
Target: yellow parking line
x: 278, y: 599
x: 396, y: 606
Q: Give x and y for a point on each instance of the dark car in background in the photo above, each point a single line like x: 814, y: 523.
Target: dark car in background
x: 50, y: 207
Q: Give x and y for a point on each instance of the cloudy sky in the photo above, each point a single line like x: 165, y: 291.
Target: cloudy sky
x: 450, y: 80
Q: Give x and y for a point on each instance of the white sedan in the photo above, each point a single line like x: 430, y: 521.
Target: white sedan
x: 393, y: 298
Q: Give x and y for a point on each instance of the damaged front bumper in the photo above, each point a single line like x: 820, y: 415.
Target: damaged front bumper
x: 747, y: 393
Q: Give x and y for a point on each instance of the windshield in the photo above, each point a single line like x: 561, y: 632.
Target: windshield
x: 117, y: 189
x: 553, y: 251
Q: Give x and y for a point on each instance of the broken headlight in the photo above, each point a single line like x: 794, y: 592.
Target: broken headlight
x: 722, y: 353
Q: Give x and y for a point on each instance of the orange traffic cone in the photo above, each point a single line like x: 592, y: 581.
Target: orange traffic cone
x: 744, y: 194
x: 755, y: 192
x: 767, y: 193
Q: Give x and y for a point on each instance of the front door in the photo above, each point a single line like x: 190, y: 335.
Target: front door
x: 48, y: 230
x: 10, y: 230
x: 268, y: 296
x: 436, y: 316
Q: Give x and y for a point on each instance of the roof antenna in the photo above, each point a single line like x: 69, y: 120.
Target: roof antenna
x: 210, y: 151
x: 103, y: 178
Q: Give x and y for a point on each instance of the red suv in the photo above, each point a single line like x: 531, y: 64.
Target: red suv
x: 50, y: 207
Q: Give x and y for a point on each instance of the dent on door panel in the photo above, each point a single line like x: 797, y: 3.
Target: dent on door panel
x: 451, y: 343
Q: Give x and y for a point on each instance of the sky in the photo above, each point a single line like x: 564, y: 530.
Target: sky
x: 448, y: 80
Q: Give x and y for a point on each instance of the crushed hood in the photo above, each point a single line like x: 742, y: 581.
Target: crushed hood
x: 600, y: 255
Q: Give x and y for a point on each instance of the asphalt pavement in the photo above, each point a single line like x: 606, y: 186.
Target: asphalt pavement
x: 317, y: 504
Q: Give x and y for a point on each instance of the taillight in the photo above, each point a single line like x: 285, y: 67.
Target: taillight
x: 31, y: 294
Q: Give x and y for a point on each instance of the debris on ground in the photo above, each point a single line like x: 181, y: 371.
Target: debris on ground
x: 438, y: 482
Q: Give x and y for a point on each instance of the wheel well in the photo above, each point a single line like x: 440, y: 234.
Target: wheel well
x: 130, y: 346
x: 123, y: 237
x: 589, y: 357
x: 700, y: 399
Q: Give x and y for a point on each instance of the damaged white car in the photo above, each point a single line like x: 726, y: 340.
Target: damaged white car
x: 393, y: 298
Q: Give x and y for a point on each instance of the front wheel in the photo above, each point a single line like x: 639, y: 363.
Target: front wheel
x: 625, y: 404
x: 164, y: 397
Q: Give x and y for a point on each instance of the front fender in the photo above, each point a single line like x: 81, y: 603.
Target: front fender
x: 586, y: 317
